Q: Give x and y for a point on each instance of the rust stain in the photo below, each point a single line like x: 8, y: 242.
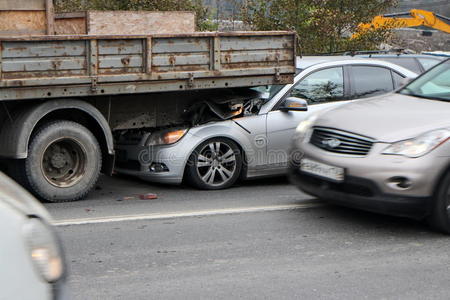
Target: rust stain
x: 55, y: 65
x: 18, y: 49
x: 172, y: 60
x: 125, y: 61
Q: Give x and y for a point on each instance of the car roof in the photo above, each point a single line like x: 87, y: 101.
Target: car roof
x: 315, y: 62
x: 400, y: 56
x: 439, y: 54
x: 304, y: 62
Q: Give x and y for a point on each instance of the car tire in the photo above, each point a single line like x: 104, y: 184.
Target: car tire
x: 440, y: 213
x: 63, y: 164
x: 215, y: 164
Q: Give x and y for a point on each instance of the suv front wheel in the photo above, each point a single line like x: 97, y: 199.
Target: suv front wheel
x: 440, y: 216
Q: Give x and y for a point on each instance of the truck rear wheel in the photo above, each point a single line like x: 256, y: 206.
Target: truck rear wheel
x: 64, y: 162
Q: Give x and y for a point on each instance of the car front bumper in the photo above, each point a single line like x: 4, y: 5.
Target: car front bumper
x: 137, y: 160
x: 369, y: 182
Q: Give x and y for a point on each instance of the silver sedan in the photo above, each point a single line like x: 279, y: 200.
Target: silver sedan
x: 214, y: 155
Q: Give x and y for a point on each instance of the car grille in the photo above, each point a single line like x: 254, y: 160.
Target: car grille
x: 340, y: 141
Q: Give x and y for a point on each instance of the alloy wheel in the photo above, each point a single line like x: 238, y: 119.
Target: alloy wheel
x: 216, y: 163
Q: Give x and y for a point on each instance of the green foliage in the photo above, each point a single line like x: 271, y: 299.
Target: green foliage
x: 202, y: 12
x: 323, y: 26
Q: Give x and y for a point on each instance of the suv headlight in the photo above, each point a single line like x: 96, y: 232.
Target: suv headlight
x: 45, y: 251
x: 420, y: 145
x: 165, y: 137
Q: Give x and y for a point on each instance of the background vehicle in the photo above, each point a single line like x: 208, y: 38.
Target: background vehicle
x: 250, y: 137
x: 376, y: 155
x: 31, y: 257
x: 417, y: 63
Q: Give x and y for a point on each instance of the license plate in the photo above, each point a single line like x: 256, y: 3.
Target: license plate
x: 322, y: 170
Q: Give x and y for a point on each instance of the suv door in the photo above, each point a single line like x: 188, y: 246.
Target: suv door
x: 320, y: 88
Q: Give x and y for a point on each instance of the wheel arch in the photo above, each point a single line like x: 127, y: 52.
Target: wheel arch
x: 440, y: 178
x: 16, y: 134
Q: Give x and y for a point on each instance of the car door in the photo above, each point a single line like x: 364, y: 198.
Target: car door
x: 369, y: 80
x: 254, y: 133
x: 322, y: 88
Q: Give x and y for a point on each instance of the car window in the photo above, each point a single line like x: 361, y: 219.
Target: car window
x: 369, y: 81
x: 321, y: 86
x: 398, y: 79
x: 428, y: 63
x: 406, y: 62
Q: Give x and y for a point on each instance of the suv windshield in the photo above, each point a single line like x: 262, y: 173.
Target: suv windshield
x: 435, y: 84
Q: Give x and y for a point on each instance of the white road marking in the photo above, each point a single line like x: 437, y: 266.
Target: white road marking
x: 184, y: 214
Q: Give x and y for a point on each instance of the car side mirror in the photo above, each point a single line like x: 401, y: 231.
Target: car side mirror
x: 294, y: 104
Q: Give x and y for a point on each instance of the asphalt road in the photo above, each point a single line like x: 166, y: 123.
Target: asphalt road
x: 260, y: 240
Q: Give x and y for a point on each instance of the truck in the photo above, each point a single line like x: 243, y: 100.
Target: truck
x: 62, y: 97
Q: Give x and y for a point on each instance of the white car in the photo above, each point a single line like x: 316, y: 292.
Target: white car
x: 31, y: 257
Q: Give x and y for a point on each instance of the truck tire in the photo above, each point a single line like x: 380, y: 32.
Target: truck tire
x: 440, y: 211
x: 64, y: 162
x: 215, y: 164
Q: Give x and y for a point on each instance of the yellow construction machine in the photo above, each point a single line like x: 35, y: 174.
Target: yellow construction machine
x: 413, y: 18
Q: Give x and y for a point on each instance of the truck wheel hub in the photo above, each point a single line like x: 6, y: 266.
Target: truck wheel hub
x: 58, y: 160
x: 63, y: 163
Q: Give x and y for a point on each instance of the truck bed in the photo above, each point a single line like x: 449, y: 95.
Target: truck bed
x: 74, y: 66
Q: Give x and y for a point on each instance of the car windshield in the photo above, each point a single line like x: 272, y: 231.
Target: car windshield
x: 435, y: 84
x: 269, y: 91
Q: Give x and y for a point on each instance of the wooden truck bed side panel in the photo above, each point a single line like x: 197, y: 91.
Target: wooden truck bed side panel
x: 65, y: 61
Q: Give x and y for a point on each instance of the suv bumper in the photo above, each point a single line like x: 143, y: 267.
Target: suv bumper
x: 362, y: 194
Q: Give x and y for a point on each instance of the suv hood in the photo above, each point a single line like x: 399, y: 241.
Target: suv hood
x: 388, y: 118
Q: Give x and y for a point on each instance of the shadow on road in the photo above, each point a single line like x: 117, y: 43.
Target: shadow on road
x: 336, y: 218
x: 275, y: 181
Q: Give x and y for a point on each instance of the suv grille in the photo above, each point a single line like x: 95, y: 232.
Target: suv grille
x: 340, y: 142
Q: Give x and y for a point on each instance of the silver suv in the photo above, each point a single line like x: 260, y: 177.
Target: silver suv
x: 389, y: 154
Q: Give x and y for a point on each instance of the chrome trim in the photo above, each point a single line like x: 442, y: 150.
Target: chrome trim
x: 350, y: 143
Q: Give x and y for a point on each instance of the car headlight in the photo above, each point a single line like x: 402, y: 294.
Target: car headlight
x: 306, y: 124
x: 45, y: 251
x: 165, y: 137
x: 420, y: 145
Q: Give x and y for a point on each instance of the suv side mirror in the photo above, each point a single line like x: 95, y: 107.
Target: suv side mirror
x: 294, y: 104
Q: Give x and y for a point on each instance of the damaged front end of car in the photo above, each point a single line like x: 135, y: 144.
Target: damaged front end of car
x: 181, y: 113
x: 146, y: 151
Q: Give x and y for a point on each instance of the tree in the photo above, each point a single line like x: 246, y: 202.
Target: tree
x: 202, y: 13
x: 323, y: 26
